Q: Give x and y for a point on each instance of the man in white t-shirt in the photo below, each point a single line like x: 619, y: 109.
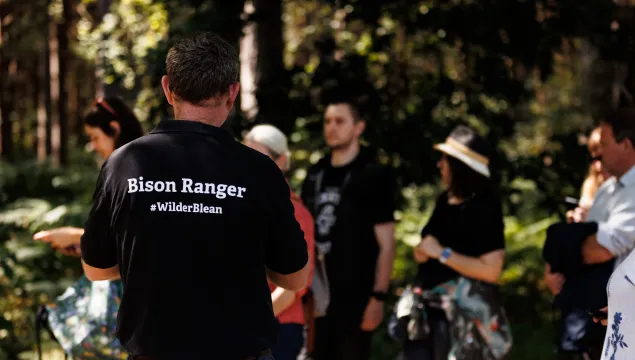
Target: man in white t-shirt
x: 615, y: 201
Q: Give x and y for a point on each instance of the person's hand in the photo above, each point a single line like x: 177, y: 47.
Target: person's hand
x: 431, y: 247
x: 420, y: 255
x: 71, y: 251
x: 604, y: 322
x: 60, y: 238
x: 372, y: 315
x: 555, y: 282
x: 577, y: 215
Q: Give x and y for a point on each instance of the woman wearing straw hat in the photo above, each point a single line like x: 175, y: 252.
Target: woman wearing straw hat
x: 287, y: 304
x: 464, y: 236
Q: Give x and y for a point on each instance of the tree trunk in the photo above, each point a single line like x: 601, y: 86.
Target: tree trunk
x: 36, y: 87
x: 6, y: 108
x: 54, y: 87
x: 248, y: 61
x: 64, y: 58
x: 271, y: 77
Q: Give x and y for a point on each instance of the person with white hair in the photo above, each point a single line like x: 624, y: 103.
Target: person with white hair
x: 287, y: 304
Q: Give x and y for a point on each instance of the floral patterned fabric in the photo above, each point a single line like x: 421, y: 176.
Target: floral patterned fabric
x: 84, y: 320
x: 479, y: 328
x: 620, y: 290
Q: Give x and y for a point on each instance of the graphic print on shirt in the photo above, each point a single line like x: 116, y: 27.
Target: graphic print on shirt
x: 327, y: 203
x: 616, y: 339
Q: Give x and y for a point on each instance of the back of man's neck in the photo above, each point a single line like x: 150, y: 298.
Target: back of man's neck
x: 343, y: 157
x: 203, y: 115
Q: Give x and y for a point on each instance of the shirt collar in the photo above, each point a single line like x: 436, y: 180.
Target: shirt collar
x: 628, y: 178
x: 166, y: 126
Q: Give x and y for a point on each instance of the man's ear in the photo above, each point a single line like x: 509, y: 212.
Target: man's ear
x: 628, y: 145
x: 231, y: 97
x: 165, y: 84
x: 360, y: 126
x: 114, y: 125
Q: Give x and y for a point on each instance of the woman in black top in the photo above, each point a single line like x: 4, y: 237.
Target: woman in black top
x: 464, y: 236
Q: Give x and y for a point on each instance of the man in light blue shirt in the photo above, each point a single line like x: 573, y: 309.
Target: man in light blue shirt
x: 613, y: 209
x: 614, y: 204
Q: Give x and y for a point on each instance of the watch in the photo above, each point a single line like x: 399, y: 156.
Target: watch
x: 379, y: 295
x: 445, y: 254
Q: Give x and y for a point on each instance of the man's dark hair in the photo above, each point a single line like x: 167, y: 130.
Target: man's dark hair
x: 465, y: 181
x: 201, y: 66
x: 622, y: 122
x: 354, y: 105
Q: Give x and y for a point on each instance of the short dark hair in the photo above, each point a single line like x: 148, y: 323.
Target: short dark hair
x: 201, y: 66
x: 466, y: 181
x: 353, y: 106
x: 622, y: 122
x: 114, y: 109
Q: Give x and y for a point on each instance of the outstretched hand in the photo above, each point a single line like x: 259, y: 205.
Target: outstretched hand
x: 60, y: 238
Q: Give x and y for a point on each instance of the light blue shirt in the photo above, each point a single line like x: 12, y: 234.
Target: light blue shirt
x: 614, y: 210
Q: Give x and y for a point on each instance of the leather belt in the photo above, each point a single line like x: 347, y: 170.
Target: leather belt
x: 266, y: 352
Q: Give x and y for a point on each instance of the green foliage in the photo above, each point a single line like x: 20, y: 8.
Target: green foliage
x: 526, y: 74
x: 32, y: 273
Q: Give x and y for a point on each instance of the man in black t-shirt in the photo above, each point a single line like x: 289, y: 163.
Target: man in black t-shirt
x: 194, y: 223
x: 352, y: 198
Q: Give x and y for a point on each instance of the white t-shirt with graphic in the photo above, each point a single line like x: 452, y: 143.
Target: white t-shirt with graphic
x: 619, y: 343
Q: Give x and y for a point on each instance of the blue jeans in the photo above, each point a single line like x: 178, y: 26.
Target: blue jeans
x: 290, y: 342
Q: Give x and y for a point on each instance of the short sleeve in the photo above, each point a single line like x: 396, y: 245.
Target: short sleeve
x: 383, y: 206
x: 488, y: 226
x: 286, y: 249
x: 98, y: 243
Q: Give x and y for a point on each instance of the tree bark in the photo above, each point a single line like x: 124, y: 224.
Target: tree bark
x: 54, y: 87
x: 64, y: 59
x: 248, y: 62
x: 271, y: 77
x: 6, y: 108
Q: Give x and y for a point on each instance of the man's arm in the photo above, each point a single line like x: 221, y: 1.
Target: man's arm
x: 615, y: 236
x: 98, y: 247
x: 97, y: 274
x: 385, y: 234
x: 282, y: 299
x: 295, y: 281
x: 593, y: 252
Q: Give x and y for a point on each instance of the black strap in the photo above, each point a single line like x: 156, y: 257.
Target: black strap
x: 40, y: 318
x: 42, y: 322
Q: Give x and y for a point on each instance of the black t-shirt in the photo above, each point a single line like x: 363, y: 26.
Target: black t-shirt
x: 327, y: 202
x: 347, y: 202
x: 472, y: 228
x: 192, y: 217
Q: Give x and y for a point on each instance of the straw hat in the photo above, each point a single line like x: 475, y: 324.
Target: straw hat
x: 460, y: 145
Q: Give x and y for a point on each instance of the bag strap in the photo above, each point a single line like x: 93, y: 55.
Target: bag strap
x: 42, y: 322
x: 40, y: 318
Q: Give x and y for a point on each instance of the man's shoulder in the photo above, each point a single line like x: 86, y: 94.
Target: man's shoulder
x: 130, y: 151
x: 314, y: 168
x: 605, y: 186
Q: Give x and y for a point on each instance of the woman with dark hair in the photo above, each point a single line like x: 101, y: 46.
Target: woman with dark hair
x: 83, y: 319
x: 464, y: 237
x: 109, y: 124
